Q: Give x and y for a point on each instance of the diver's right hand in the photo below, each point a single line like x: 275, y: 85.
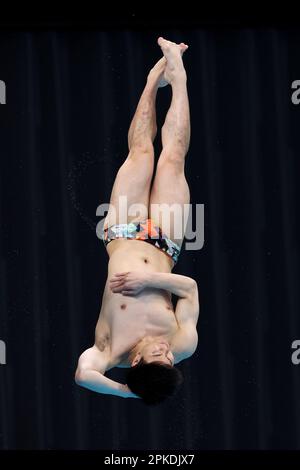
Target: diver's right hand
x: 129, y: 283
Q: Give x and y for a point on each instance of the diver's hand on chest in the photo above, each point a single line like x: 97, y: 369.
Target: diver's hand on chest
x: 129, y: 283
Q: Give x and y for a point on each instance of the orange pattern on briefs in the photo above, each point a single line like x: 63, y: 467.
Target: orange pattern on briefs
x: 145, y: 230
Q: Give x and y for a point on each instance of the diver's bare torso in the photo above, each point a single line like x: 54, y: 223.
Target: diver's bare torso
x: 125, y: 320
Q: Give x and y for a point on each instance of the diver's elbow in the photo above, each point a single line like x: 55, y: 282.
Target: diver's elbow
x: 80, y: 377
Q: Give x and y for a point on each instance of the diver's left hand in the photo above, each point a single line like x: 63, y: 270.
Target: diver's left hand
x: 128, y: 283
x: 127, y: 393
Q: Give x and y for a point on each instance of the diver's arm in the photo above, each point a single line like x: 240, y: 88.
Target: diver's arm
x: 97, y: 382
x: 90, y: 374
x: 133, y: 282
x: 182, y: 286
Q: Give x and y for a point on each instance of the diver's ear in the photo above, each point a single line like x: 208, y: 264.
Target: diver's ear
x: 136, y: 359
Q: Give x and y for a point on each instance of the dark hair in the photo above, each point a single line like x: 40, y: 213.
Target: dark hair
x: 153, y: 382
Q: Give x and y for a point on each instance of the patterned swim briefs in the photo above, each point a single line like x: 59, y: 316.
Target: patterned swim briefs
x: 146, y: 231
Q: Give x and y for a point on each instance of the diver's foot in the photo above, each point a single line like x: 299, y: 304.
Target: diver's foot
x: 173, y: 54
x: 157, y: 72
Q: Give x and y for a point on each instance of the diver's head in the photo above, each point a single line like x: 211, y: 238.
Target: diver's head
x: 152, y: 375
x: 152, y: 349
